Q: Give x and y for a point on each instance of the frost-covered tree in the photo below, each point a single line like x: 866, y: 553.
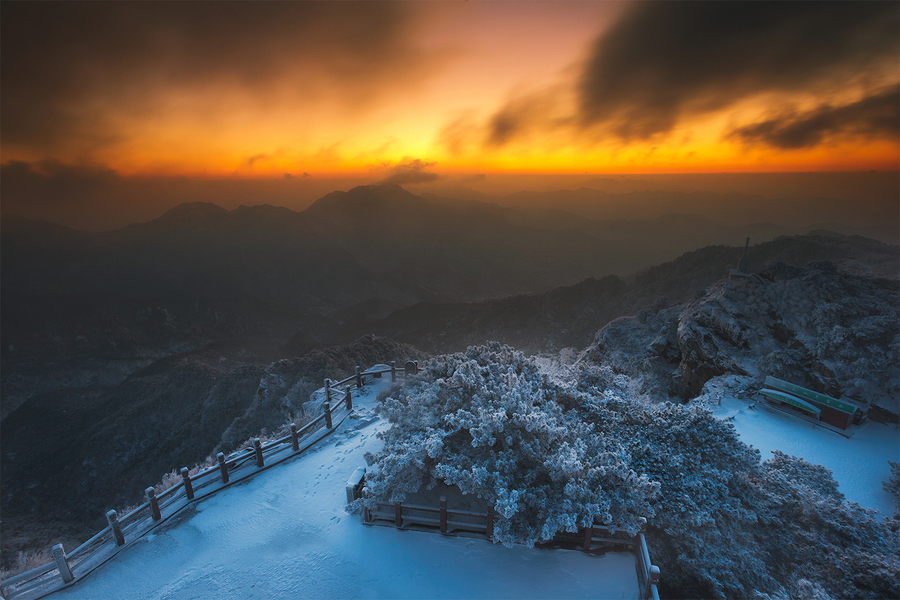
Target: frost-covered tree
x: 807, y: 531
x: 490, y: 422
x: 726, y: 525
x: 559, y: 450
x: 707, y: 499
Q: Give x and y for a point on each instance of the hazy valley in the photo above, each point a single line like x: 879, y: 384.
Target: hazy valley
x: 130, y: 352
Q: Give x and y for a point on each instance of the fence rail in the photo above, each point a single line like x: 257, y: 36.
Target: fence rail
x: 68, y: 569
x: 475, y: 524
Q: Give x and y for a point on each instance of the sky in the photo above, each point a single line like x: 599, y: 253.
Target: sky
x: 325, y: 94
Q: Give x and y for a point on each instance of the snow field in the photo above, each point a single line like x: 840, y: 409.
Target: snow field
x: 285, y: 534
x: 859, y: 463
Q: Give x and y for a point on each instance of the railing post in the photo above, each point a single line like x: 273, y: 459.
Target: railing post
x: 295, y: 441
x: 223, y: 468
x: 188, y: 487
x: 62, y: 563
x: 443, y: 514
x: 327, y: 390
x: 393, y: 371
x: 349, y: 398
x: 586, y: 543
x: 489, y: 523
x: 116, y: 527
x: 328, y: 415
x: 154, y: 503
x: 652, y: 579
x: 367, y: 514
x: 398, y: 514
x: 646, y: 567
x: 358, y: 377
x: 257, y: 448
x: 645, y: 554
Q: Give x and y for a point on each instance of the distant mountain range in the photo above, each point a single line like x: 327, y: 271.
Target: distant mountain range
x: 88, y: 308
x: 570, y: 316
x: 130, y: 352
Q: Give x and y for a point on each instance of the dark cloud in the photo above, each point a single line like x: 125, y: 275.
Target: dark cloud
x: 412, y: 171
x: 50, y: 183
x: 872, y: 117
x: 455, y: 135
x: 663, y: 60
x: 64, y: 65
x: 519, y: 115
x: 74, y: 195
x: 522, y: 115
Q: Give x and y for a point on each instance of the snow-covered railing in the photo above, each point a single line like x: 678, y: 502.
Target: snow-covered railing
x: 648, y: 574
x: 67, y: 569
x: 468, y: 523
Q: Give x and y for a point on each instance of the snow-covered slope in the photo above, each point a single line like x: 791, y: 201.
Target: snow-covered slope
x: 859, y: 464
x: 285, y: 534
x: 835, y: 333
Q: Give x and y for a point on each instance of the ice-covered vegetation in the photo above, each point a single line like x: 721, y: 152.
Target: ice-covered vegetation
x: 490, y: 422
x: 556, y: 450
x: 829, y: 331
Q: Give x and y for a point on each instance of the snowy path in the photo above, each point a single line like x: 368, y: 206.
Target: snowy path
x: 284, y: 534
x: 858, y: 464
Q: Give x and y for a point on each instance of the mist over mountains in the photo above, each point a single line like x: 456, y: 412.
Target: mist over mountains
x: 85, y: 308
x: 569, y: 316
x: 133, y: 351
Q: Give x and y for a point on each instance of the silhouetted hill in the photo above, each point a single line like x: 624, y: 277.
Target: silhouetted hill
x: 732, y: 208
x: 570, y: 316
x: 190, y: 214
x: 70, y: 455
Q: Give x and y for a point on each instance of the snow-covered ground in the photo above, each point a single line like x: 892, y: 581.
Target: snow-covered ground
x: 859, y: 464
x: 285, y: 534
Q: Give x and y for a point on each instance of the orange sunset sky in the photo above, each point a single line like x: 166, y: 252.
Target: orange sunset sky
x: 412, y: 92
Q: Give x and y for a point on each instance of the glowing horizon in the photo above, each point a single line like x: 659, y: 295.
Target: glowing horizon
x: 451, y: 89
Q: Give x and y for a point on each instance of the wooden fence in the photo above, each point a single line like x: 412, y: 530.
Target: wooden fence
x: 475, y: 524
x: 68, y: 569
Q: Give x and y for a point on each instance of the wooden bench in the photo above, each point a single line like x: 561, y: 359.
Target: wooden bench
x: 838, y: 413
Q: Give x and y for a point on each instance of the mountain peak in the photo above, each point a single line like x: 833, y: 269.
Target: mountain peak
x: 364, y: 200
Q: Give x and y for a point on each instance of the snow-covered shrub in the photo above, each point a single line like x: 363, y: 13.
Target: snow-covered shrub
x: 552, y: 454
x: 806, y: 530
x: 706, y: 500
x: 726, y: 525
x: 490, y: 422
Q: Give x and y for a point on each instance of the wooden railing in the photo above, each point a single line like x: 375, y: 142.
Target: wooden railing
x: 67, y: 569
x: 648, y: 574
x: 467, y: 523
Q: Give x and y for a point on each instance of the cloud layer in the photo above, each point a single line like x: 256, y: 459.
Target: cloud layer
x: 664, y: 60
x: 329, y: 88
x: 875, y: 116
x: 410, y: 171
x: 662, y: 64
x: 69, y: 68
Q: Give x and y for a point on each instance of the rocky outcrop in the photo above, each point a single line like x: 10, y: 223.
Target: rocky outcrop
x: 570, y: 316
x: 833, y: 332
